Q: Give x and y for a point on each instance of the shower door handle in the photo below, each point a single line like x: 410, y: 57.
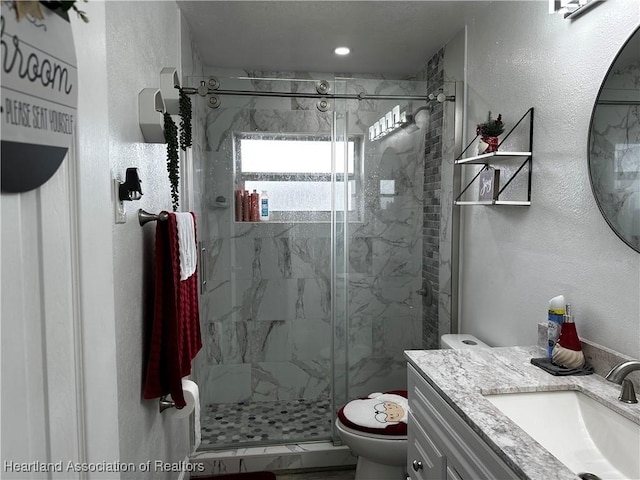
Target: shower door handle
x: 203, y: 267
x: 427, y: 292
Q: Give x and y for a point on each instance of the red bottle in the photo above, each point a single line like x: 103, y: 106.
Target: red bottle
x: 246, y: 206
x: 238, y: 205
x: 255, y: 207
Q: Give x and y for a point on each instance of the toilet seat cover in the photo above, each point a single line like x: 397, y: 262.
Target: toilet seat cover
x: 379, y: 413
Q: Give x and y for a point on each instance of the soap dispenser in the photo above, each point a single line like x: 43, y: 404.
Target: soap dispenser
x: 568, y: 351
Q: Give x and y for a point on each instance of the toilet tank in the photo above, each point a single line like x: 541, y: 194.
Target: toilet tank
x: 460, y: 340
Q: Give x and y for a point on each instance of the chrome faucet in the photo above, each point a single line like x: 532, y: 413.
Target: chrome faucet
x: 618, y: 374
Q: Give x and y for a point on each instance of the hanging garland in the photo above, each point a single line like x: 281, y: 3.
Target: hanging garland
x: 173, y: 162
x: 185, y: 120
x: 171, y: 137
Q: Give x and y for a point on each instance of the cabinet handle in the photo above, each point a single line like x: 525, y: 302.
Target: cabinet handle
x: 417, y: 465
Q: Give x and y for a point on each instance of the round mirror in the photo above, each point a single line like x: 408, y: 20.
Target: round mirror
x: 614, y: 145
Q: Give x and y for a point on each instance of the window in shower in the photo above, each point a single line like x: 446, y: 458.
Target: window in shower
x: 296, y: 172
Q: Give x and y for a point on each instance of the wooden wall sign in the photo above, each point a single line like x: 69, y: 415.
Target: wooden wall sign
x: 39, y: 95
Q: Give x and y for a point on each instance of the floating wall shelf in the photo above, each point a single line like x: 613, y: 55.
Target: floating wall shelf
x: 493, y: 157
x: 150, y: 115
x: 488, y: 159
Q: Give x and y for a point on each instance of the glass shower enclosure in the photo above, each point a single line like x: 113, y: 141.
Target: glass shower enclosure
x: 314, y: 306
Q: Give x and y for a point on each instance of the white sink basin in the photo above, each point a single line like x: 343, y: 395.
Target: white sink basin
x: 583, y: 434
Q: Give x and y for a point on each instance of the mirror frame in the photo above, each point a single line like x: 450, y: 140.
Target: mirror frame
x: 589, y: 141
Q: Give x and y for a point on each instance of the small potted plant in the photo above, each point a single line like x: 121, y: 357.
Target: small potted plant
x: 488, y: 132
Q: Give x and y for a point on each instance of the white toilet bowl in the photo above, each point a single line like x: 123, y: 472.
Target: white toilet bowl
x: 384, y: 457
x: 380, y: 457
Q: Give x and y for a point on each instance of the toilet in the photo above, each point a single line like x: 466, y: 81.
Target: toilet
x: 370, y: 427
x: 459, y: 341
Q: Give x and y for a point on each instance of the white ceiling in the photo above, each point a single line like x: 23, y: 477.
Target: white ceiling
x: 392, y: 37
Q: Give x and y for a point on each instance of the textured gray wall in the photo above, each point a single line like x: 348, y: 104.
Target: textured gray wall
x: 140, y: 42
x: 515, y: 259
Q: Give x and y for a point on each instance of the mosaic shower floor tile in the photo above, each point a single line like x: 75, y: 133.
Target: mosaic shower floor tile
x: 267, y: 422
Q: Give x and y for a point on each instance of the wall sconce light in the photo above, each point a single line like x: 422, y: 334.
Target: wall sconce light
x: 391, y: 121
x: 395, y: 115
x: 571, y: 8
x: 130, y: 189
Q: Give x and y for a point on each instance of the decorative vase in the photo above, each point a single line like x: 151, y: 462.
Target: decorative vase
x: 487, y: 145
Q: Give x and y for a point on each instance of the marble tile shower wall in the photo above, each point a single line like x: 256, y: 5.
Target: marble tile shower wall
x: 266, y: 312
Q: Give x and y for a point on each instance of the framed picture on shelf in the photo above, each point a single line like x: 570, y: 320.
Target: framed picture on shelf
x: 489, y: 185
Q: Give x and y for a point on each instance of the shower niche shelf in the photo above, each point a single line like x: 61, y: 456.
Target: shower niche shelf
x: 506, y: 157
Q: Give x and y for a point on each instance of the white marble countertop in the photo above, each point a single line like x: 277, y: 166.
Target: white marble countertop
x: 463, y: 376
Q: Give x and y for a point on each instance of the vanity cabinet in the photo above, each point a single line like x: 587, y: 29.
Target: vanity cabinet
x: 496, y: 158
x: 441, y: 445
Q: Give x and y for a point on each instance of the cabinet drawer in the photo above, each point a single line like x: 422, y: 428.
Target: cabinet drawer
x: 424, y: 460
x: 468, y: 456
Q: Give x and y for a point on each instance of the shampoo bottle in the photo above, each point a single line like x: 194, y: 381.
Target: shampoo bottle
x: 556, y: 314
x: 255, y: 213
x: 239, y: 198
x: 264, y: 206
x: 246, y: 206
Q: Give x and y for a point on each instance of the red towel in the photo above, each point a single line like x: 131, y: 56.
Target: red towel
x: 175, y: 334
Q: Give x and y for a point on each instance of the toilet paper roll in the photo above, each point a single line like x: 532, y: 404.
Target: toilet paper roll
x: 191, y: 397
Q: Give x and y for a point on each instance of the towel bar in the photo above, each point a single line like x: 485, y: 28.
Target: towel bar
x: 146, y: 217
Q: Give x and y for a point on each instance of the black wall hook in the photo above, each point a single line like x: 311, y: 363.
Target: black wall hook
x: 130, y: 189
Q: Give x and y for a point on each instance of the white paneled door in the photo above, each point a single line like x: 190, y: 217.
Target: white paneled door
x: 41, y: 411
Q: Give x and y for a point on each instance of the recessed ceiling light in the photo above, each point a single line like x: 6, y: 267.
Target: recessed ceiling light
x: 342, y: 51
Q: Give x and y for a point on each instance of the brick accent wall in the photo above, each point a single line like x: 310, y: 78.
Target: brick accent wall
x: 433, y: 73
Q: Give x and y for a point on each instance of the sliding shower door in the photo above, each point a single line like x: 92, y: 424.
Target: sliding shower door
x: 266, y: 366
x: 315, y: 305
x: 379, y: 245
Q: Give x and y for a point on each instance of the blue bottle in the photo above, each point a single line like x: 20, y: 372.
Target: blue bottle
x: 264, y: 206
x: 557, y: 307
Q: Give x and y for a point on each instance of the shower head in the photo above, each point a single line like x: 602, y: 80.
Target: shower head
x: 405, y: 121
x: 410, y: 125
